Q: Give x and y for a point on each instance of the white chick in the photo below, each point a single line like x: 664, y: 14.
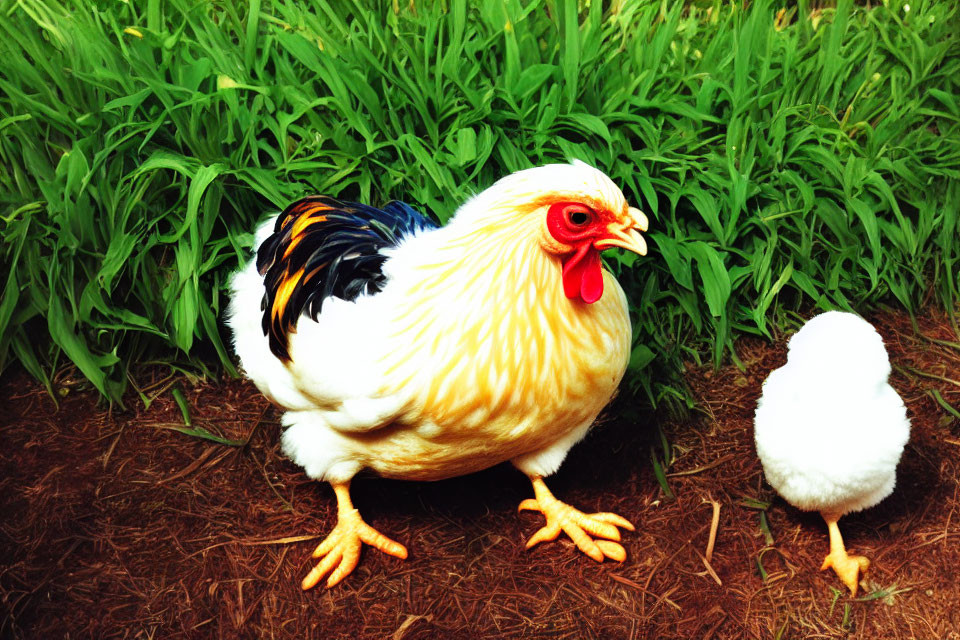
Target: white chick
x: 829, y: 428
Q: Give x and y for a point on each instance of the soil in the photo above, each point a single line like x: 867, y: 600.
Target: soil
x: 115, y: 525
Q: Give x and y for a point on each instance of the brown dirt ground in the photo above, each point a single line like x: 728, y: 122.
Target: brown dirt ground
x: 115, y: 526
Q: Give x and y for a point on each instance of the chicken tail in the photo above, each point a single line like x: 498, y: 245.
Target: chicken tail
x: 321, y: 247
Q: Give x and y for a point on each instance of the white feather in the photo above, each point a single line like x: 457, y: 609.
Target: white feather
x: 244, y: 319
x: 547, y: 461
x: 829, y: 428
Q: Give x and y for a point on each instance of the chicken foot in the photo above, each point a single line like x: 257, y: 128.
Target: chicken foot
x: 340, y: 551
x: 847, y: 567
x: 576, y: 524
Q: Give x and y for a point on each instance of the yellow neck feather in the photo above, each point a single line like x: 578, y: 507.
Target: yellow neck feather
x: 485, y: 328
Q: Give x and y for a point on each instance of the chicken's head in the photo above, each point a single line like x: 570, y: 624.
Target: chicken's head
x: 578, y: 232
x: 577, y: 212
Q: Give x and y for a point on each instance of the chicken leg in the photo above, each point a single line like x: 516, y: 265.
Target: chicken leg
x: 576, y: 524
x: 847, y: 567
x: 340, y: 551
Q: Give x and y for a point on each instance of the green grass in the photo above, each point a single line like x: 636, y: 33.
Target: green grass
x: 782, y: 170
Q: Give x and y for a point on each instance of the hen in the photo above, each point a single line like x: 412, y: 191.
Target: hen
x: 423, y: 352
x: 829, y: 428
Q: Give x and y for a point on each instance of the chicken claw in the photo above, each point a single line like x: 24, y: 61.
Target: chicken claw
x: 576, y: 524
x: 340, y: 551
x: 847, y: 567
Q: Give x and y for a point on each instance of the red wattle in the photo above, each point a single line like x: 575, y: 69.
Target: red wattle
x: 583, y: 275
x: 591, y: 283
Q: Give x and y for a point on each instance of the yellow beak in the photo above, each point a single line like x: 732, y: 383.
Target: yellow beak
x: 627, y: 235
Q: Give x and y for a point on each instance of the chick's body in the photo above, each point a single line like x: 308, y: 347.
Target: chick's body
x: 489, y: 339
x: 829, y: 428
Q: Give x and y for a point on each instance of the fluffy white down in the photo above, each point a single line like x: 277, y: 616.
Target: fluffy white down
x: 829, y: 428
x: 259, y: 364
x: 324, y: 395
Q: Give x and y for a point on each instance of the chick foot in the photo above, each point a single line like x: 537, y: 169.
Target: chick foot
x: 340, y: 551
x: 576, y: 524
x: 847, y: 567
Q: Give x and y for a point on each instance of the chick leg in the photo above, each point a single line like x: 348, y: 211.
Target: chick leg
x: 847, y: 567
x: 576, y: 524
x: 340, y: 551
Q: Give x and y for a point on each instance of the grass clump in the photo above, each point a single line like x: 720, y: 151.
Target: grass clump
x: 784, y: 162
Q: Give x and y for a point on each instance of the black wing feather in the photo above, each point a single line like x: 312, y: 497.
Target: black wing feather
x: 321, y: 247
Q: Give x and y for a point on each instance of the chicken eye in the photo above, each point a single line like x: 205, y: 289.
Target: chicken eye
x: 578, y: 217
